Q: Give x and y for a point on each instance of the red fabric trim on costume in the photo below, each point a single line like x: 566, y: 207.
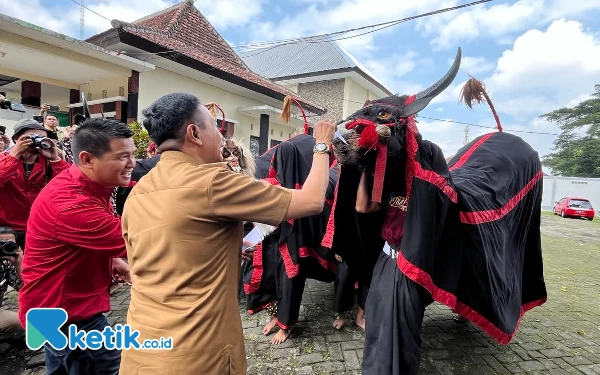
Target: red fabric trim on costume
x: 437, y: 180
x: 411, y: 153
x: 410, y: 99
x: 283, y: 326
x: 463, y: 159
x: 290, y: 268
x: 305, y: 252
x: 327, y: 240
x: 422, y: 278
x: 257, y: 272
x: 479, y: 217
x: 252, y: 312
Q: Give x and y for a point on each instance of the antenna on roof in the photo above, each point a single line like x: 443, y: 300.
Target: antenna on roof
x: 81, y: 19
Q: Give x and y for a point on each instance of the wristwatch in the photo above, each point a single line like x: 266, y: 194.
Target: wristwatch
x: 321, y: 148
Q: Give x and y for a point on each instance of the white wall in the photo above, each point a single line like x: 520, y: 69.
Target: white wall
x: 556, y: 188
x: 156, y: 83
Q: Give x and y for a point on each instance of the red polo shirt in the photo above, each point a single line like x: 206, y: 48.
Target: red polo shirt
x: 72, y: 235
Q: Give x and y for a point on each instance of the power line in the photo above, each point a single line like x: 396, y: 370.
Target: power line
x: 96, y: 13
x: 438, y: 119
x: 320, y: 38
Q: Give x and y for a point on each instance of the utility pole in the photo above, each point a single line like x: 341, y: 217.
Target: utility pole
x: 466, y: 139
x: 81, y: 22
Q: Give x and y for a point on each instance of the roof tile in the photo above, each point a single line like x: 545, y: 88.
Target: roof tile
x: 185, y: 30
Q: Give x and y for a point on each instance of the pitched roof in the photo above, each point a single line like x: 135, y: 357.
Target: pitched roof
x: 304, y: 58
x: 183, y: 30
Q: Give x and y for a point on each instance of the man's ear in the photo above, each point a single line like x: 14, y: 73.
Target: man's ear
x: 193, y: 134
x: 86, y: 159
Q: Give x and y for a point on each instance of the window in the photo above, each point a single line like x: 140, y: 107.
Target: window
x: 580, y: 203
x: 254, y: 146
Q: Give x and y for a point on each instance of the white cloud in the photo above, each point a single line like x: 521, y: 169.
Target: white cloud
x: 474, y: 65
x: 546, y: 70
x: 65, y: 18
x: 499, y: 20
x: 224, y: 13
x: 393, y: 69
x: 45, y: 16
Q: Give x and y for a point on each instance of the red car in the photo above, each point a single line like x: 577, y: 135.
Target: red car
x: 574, y: 207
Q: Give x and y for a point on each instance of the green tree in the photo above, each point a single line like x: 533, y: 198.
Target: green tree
x: 574, y: 154
x: 141, y: 138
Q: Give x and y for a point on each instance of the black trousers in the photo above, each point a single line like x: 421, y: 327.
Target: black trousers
x: 394, y: 315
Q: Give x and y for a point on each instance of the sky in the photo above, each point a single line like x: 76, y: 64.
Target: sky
x: 534, y: 56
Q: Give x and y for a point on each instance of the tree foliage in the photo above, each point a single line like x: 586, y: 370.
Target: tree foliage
x: 141, y: 138
x: 576, y: 151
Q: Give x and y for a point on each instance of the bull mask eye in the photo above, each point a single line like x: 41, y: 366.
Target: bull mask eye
x: 383, y: 114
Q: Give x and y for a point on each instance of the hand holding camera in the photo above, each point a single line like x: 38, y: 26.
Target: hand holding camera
x: 35, y: 142
x: 11, y: 251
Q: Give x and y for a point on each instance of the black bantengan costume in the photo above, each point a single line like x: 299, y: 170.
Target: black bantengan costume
x: 291, y: 254
x: 464, y: 233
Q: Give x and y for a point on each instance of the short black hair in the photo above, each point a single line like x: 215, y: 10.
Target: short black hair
x: 167, y: 116
x: 94, y: 136
x: 7, y: 230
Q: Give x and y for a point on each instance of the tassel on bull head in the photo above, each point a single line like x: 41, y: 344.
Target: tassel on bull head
x: 474, y: 92
x: 212, y: 108
x: 286, y: 111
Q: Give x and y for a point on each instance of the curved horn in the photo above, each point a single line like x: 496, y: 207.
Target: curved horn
x: 85, y: 108
x: 423, y: 98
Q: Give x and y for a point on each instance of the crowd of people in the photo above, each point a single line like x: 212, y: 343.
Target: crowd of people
x: 80, y: 226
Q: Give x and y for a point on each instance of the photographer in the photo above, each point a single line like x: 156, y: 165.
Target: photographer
x: 50, y: 123
x: 24, y: 171
x: 10, y: 275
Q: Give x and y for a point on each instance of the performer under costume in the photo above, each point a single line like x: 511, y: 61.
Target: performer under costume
x: 292, y: 252
x: 470, y: 235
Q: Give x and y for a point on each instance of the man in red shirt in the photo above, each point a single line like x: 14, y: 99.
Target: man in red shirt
x: 74, y: 243
x: 24, y: 171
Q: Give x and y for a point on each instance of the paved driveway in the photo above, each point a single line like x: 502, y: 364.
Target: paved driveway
x: 561, y: 337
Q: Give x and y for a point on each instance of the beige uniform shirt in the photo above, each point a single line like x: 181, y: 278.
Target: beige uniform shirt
x: 182, y: 225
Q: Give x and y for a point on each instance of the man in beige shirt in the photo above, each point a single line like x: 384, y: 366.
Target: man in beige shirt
x: 182, y: 225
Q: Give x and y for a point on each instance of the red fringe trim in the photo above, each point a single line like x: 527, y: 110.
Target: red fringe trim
x: 422, y: 278
x: 411, y: 153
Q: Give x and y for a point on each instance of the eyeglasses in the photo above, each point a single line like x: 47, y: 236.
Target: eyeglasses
x: 227, y: 153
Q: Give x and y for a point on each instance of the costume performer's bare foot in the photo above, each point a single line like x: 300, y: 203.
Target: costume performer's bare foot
x: 360, y: 318
x: 281, y: 336
x: 339, y: 323
x: 270, y: 327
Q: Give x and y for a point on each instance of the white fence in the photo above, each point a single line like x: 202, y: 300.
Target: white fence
x: 556, y: 188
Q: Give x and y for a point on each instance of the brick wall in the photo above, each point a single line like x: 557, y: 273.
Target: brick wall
x: 327, y: 94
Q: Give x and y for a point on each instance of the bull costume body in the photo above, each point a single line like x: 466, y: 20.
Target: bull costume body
x: 465, y: 233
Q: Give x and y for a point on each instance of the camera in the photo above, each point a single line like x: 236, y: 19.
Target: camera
x: 39, y: 141
x: 8, y: 248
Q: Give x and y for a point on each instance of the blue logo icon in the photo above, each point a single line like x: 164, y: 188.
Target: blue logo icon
x: 43, y: 326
